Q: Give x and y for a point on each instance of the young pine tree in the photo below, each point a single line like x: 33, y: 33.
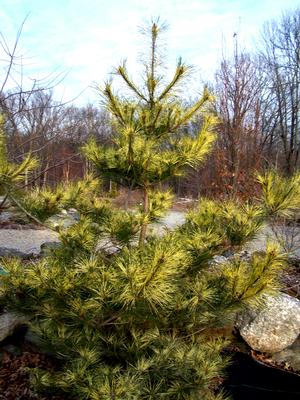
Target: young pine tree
x: 137, y: 324
x: 147, y: 148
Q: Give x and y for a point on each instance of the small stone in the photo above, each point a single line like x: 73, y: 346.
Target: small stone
x: 10, y: 252
x: 218, y: 260
x: 65, y: 219
x: 48, y: 247
x: 74, y: 214
x: 245, y: 255
x: 107, y: 246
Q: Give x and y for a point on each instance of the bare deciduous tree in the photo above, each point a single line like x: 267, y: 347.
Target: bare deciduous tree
x: 239, y: 87
x: 281, y: 57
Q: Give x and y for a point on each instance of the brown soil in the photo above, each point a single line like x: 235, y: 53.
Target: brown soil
x: 14, y: 376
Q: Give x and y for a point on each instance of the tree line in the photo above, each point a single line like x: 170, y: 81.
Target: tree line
x: 256, y: 101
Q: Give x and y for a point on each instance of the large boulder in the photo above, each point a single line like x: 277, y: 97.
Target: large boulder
x: 9, y: 322
x: 273, y: 328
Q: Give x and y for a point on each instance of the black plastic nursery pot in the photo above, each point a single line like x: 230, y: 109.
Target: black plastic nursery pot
x: 248, y: 379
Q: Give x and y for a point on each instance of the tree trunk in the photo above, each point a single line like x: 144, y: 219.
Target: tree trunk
x: 144, y: 224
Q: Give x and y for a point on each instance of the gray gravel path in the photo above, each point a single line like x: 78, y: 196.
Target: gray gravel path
x: 287, y: 236
x: 27, y: 241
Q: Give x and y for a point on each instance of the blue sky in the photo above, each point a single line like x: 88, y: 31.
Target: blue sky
x: 86, y: 38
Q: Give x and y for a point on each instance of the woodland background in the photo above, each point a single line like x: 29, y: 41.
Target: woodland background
x: 257, y: 102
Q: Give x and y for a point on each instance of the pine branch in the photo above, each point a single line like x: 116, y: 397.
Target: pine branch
x: 113, y: 105
x: 122, y: 71
x: 180, y: 73
x: 19, y: 205
x: 183, y: 119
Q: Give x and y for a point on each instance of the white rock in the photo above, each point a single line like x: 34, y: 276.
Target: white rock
x: 107, y: 246
x: 273, y: 328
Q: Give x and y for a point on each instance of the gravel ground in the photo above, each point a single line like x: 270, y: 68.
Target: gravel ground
x: 27, y: 241
x: 287, y: 236
x: 30, y: 240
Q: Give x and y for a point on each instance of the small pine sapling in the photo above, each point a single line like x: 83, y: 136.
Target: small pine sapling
x: 147, y: 151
